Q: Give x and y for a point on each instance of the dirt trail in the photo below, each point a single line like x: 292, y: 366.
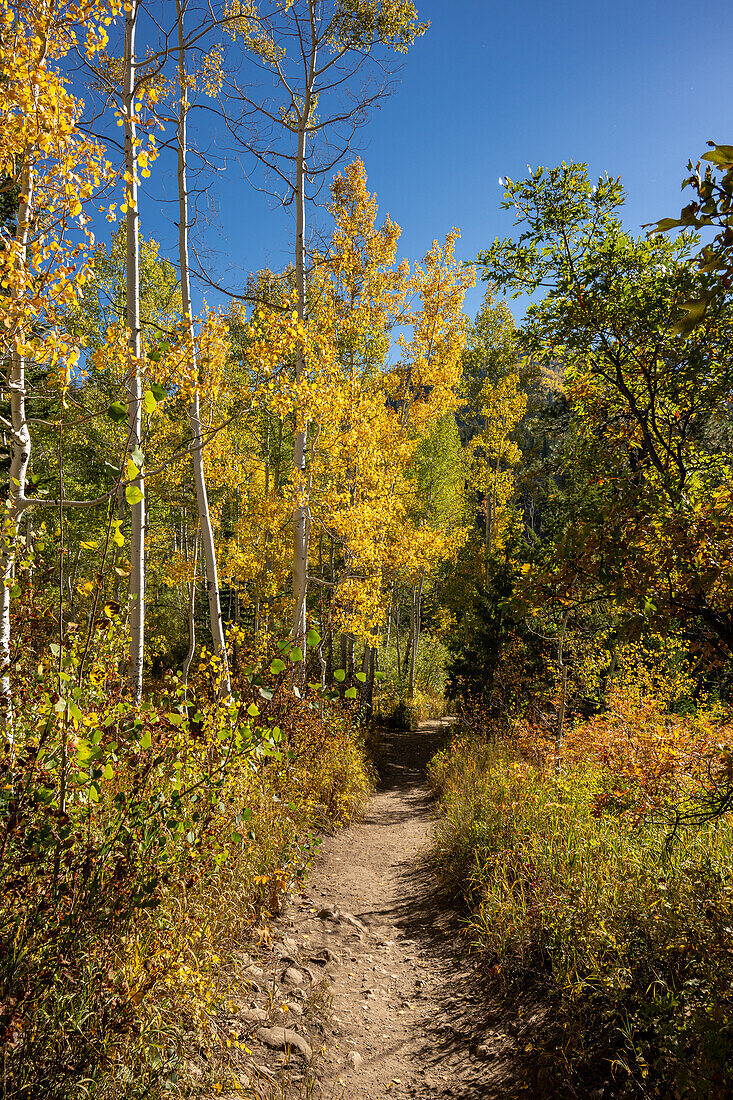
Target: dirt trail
x: 408, y: 1018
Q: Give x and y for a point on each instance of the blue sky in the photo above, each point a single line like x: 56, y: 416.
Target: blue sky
x: 631, y: 88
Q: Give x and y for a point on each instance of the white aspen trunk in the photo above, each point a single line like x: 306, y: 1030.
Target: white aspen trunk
x: 191, y: 614
x: 136, y: 589
x: 300, y: 507
x: 398, y: 610
x: 20, y: 454
x: 390, y: 610
x: 415, y: 624
x: 411, y: 680
x: 300, y: 519
x: 197, y: 454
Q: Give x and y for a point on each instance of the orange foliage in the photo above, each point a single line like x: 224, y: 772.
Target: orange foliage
x: 643, y: 761
x: 648, y: 759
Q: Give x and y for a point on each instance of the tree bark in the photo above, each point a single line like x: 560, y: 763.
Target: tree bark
x: 415, y: 632
x: 136, y: 589
x: 20, y: 454
x: 300, y: 507
x: 300, y: 548
x: 191, y: 614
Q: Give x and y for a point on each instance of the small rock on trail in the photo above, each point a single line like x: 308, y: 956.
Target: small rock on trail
x: 281, y: 1038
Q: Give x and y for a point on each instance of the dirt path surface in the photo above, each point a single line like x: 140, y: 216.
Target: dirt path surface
x: 407, y: 1018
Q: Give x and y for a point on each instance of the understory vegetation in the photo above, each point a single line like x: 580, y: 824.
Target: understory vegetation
x: 597, y: 873
x: 184, y: 827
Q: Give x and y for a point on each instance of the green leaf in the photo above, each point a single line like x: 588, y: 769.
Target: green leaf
x: 149, y: 402
x: 133, y: 495
x: 146, y: 740
x: 159, y: 392
x: 253, y: 710
x: 296, y: 654
x: 277, y: 666
x: 696, y: 310
x: 117, y: 412
x: 361, y: 676
x: 266, y: 693
x: 312, y: 637
x: 350, y: 693
x: 666, y: 224
x: 379, y: 676
x: 721, y: 155
x: 339, y: 675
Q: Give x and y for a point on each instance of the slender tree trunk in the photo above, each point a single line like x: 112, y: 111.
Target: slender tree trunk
x: 329, y: 656
x: 365, y: 671
x: 411, y: 648
x: 20, y: 454
x: 390, y: 609
x: 197, y: 455
x: 487, y: 537
x: 398, y: 609
x: 370, y: 671
x: 415, y: 624
x: 344, y: 655
x: 191, y: 614
x: 300, y: 505
x: 349, y: 660
x: 300, y: 523
x: 136, y: 590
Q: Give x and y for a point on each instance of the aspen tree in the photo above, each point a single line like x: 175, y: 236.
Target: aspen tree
x: 54, y: 170
x: 197, y: 459
x: 314, y: 51
x: 135, y: 492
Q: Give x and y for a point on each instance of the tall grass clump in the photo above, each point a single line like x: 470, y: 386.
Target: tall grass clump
x: 606, y: 880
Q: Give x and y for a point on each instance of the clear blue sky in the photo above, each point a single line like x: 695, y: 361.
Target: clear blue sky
x: 634, y: 88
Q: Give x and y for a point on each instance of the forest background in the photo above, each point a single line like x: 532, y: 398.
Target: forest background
x: 247, y: 511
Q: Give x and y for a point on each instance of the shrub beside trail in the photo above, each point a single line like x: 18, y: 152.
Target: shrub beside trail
x: 140, y: 851
x: 606, y: 880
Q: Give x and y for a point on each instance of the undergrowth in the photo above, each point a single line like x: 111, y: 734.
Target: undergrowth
x: 607, y: 877
x: 139, y: 850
